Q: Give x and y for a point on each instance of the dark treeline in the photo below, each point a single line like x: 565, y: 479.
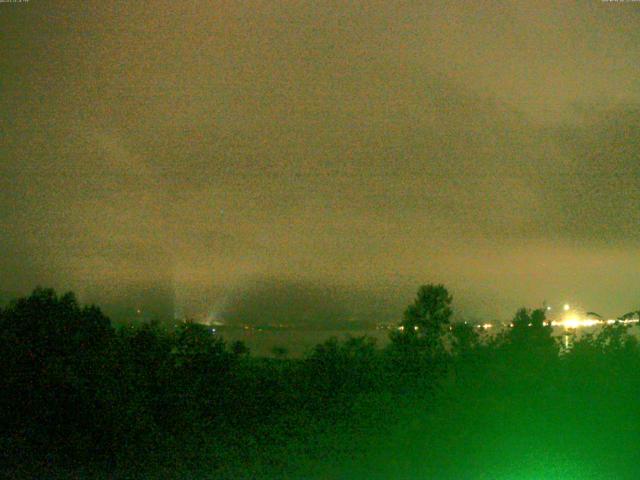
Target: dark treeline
x: 81, y: 398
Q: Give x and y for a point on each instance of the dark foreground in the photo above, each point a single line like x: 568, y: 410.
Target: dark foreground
x: 82, y: 399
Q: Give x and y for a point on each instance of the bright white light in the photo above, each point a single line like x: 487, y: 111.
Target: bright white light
x: 572, y: 322
x: 567, y: 307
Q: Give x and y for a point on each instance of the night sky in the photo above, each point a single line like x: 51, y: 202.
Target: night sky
x: 349, y: 150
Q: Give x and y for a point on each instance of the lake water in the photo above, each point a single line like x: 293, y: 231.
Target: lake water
x: 299, y: 342
x: 296, y: 342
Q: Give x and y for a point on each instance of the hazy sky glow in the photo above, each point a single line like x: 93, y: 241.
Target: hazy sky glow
x: 357, y: 146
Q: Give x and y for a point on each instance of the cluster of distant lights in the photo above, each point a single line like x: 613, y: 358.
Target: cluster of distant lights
x: 577, y: 322
x: 571, y: 321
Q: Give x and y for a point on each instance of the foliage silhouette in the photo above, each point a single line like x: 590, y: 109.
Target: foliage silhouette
x: 80, y: 398
x: 425, y: 321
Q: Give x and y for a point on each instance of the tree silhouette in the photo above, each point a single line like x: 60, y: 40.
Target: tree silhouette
x: 425, y: 320
x: 239, y: 348
x: 197, y: 348
x: 280, y: 352
x: 530, y: 334
x: 53, y: 361
x: 630, y: 315
x: 465, y: 339
x: 142, y: 401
